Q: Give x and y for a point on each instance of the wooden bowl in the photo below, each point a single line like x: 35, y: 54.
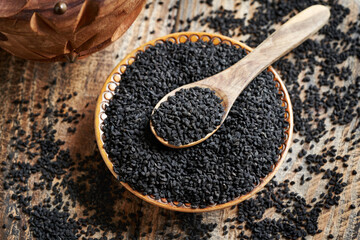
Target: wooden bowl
x: 63, y: 30
x: 113, y: 81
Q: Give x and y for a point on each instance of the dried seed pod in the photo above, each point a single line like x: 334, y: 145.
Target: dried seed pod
x: 63, y: 30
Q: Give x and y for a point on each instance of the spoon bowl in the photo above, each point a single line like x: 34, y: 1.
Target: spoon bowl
x: 218, y: 92
x: 114, y: 79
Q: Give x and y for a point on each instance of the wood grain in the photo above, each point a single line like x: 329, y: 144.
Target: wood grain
x: 26, y: 79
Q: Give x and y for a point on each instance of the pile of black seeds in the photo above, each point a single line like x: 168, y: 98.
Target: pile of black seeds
x: 227, y: 165
x: 188, y: 116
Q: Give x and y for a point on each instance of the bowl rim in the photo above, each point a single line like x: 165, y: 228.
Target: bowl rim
x: 111, y: 82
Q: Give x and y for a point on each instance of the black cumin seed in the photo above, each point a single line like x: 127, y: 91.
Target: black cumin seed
x: 188, y: 116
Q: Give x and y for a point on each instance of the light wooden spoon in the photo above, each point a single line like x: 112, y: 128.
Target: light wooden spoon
x: 229, y: 83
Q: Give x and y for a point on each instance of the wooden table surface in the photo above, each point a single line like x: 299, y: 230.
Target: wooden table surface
x: 26, y: 79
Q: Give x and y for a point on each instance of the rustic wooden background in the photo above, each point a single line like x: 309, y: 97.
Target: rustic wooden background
x: 26, y: 79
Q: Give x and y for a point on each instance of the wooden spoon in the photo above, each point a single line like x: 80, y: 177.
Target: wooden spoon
x: 229, y: 83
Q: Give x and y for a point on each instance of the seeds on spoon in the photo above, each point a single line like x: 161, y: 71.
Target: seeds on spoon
x: 188, y: 116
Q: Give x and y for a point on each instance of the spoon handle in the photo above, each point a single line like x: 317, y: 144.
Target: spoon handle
x: 287, y: 37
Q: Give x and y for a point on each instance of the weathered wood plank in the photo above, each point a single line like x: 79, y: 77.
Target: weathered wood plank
x: 26, y: 79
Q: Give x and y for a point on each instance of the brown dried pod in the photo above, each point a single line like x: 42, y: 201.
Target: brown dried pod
x: 48, y: 30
